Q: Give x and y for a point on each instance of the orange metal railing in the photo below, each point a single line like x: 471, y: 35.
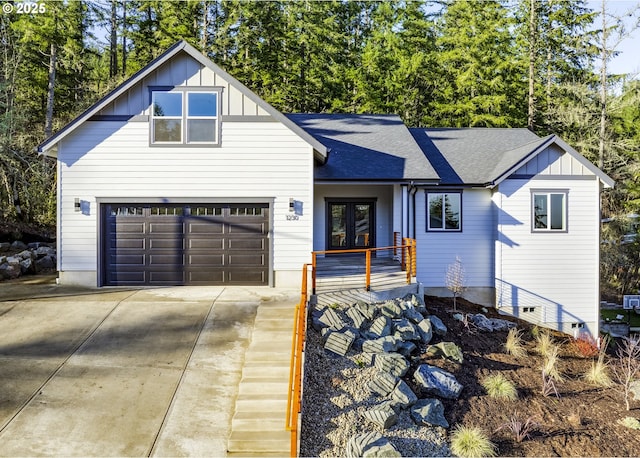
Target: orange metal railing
x: 295, y: 371
x: 408, y: 260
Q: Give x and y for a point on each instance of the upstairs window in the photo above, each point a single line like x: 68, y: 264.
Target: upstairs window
x: 184, y: 117
x: 444, y: 211
x: 549, y: 211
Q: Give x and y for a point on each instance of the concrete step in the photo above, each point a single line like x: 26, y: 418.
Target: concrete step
x: 249, y: 387
x: 245, y: 443
x: 261, y: 405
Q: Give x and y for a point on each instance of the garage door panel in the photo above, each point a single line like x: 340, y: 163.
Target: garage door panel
x: 205, y: 227
x: 128, y: 278
x: 247, y: 259
x: 206, y: 244
x: 246, y: 276
x: 200, y: 260
x: 128, y: 227
x: 247, y: 244
x: 248, y: 229
x: 169, y: 245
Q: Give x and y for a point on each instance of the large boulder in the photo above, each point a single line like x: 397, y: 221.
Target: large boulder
x: 429, y: 412
x: 383, y: 416
x: 371, y: 444
x: 447, y: 350
x: 437, y: 381
x: 392, y: 363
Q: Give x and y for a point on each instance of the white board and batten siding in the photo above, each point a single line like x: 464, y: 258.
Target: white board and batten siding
x: 182, y: 70
x: 549, y: 278
x: 473, y: 245
x: 256, y: 161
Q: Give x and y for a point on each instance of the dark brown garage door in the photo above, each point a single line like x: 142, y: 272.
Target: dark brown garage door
x: 199, y: 244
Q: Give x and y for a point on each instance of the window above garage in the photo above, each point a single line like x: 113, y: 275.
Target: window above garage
x: 185, y: 116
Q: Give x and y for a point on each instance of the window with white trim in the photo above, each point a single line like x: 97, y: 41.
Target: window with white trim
x: 549, y: 211
x: 185, y: 117
x: 444, y: 211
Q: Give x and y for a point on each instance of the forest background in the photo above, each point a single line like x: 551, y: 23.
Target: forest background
x: 441, y: 63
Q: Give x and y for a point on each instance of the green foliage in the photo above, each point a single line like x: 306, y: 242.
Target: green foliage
x: 471, y: 442
x: 630, y: 422
x: 498, y: 386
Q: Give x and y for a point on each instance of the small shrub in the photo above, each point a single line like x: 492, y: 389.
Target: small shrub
x: 521, y: 429
x: 585, y: 345
x: 627, y: 366
x: 498, y: 386
x: 471, y: 442
x: 598, y: 374
x: 544, y: 342
x: 513, y: 346
x: 630, y: 422
x: 550, y: 366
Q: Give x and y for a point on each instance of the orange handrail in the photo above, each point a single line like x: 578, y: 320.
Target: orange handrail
x: 295, y: 369
x: 407, y: 249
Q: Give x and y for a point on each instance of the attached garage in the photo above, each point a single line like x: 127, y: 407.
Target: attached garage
x: 185, y: 244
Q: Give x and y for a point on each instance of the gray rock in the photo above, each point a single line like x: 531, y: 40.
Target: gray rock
x: 383, y: 416
x: 10, y: 271
x: 18, y: 246
x: 502, y: 325
x: 368, y: 310
x: 331, y: 318
x: 425, y: 330
x: 393, y: 363
x: 43, y: 251
x: 46, y: 263
x: 370, y: 444
x: 429, y: 412
x: 406, y: 348
x: 26, y: 254
x: 381, y: 448
x: 383, y: 383
x: 437, y: 381
x: 482, y: 322
x: 4, y: 247
x: 340, y: 342
x: 438, y: 326
x: 382, y: 345
x: 446, y: 350
x: 356, y: 316
x: 391, y: 309
x: 403, y: 396
x: 413, y: 315
x: 405, y: 330
x: 27, y: 266
x: 380, y: 327
x: 356, y: 445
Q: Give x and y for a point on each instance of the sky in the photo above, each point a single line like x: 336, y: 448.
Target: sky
x: 628, y: 60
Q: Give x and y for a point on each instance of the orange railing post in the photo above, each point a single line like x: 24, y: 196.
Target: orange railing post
x: 313, y: 273
x: 368, y: 270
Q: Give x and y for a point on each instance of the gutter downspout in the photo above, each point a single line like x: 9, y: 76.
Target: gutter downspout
x: 412, y: 192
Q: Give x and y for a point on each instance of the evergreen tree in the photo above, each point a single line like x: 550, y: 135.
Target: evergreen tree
x: 479, y: 85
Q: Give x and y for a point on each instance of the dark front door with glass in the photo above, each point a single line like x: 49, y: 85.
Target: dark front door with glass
x: 351, y: 224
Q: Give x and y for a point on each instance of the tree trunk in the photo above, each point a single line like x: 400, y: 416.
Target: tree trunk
x: 113, y: 45
x: 531, y: 114
x: 48, y: 124
x: 603, y: 88
x: 124, y: 38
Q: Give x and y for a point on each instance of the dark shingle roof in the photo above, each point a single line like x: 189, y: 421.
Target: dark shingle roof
x: 366, y: 147
x: 476, y: 155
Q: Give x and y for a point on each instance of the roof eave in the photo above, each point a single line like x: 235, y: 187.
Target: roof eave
x: 320, y: 151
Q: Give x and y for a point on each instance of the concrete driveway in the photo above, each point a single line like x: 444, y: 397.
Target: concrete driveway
x: 124, y: 372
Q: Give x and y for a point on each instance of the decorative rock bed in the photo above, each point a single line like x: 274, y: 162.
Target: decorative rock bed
x: 26, y: 259
x: 381, y: 410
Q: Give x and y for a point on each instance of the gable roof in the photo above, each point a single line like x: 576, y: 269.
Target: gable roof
x: 487, y: 156
x: 366, y: 147
x: 181, y: 46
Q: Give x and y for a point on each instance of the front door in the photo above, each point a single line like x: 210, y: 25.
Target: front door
x: 351, y: 224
